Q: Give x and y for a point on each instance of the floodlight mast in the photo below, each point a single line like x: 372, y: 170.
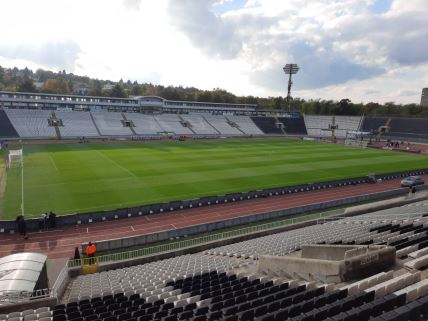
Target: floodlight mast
x: 290, y: 69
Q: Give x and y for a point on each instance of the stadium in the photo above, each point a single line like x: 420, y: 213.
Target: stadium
x: 205, y: 211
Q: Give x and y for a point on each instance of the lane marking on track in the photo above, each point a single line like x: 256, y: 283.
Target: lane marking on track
x: 87, y: 230
x: 132, y: 228
x: 173, y: 226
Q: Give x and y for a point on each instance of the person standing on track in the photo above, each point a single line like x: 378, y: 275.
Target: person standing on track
x: 91, y: 250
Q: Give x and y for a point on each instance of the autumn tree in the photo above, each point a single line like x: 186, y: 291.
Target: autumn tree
x: 56, y: 86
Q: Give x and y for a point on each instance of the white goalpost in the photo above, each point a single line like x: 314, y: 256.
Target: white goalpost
x: 16, y: 160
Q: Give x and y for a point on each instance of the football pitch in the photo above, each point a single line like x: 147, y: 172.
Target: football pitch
x: 75, y: 178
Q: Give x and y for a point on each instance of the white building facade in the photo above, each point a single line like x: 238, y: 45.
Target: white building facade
x: 424, y: 97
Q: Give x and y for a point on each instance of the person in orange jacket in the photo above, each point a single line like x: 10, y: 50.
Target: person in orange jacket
x: 91, y: 250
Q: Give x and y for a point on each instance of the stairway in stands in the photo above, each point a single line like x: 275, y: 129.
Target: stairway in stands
x: 130, y: 127
x: 95, y: 124
x: 57, y: 131
x: 277, y: 122
x: 235, y: 125
x: 186, y: 124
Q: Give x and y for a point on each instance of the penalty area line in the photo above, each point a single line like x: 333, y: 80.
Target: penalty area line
x: 115, y: 163
x: 53, y: 163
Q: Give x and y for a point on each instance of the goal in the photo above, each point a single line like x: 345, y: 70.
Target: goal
x: 15, y: 158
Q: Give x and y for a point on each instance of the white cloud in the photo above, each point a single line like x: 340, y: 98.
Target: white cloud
x: 344, y: 49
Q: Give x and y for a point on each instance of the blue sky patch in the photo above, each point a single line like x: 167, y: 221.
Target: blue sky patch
x: 228, y: 5
x: 380, y: 6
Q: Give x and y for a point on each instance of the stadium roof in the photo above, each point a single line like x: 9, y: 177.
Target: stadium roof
x: 20, y: 272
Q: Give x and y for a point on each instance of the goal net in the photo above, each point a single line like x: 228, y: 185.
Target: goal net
x: 15, y: 158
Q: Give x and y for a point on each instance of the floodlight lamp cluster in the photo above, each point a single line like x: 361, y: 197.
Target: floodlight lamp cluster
x: 291, y: 69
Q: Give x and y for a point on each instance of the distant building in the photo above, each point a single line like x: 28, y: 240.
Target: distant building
x: 80, y: 89
x: 108, y: 86
x: 39, y: 84
x: 424, y: 97
x: 148, y: 104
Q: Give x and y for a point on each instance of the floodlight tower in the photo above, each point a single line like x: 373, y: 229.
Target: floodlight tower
x: 290, y: 69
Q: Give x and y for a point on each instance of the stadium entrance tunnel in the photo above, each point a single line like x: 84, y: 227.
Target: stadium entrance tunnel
x: 330, y: 263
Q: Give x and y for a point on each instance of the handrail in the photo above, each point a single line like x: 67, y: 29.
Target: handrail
x: 198, y: 241
x: 13, y: 296
x: 385, y: 218
x: 59, y: 282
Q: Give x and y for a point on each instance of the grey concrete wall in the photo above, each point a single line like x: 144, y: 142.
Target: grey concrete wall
x: 26, y: 305
x: 323, y: 252
x: 372, y: 262
x: 368, y: 264
x: 292, y: 267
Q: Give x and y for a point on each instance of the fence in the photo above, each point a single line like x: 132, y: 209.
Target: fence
x: 61, y: 283
x: 200, y: 240
x: 375, y: 218
x: 10, y: 297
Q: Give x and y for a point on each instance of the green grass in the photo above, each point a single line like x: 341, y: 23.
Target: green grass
x: 72, y: 178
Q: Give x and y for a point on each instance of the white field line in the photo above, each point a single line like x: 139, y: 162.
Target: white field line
x: 53, y: 163
x: 115, y: 163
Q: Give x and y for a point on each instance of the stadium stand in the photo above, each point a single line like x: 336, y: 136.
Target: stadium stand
x: 76, y: 124
x: 110, y: 124
x: 31, y: 123
x: 171, y: 123
x: 268, y: 125
x: 221, y: 125
x: 360, y: 230
x: 144, y: 124
x: 222, y: 284
x: 199, y: 125
x: 319, y: 126
x: 149, y: 278
x: 245, y: 124
x: 244, y: 300
x: 294, y: 125
x: 408, y: 128
x: 372, y: 124
x: 6, y: 128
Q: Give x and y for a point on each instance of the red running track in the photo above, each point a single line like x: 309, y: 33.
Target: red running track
x: 61, y: 242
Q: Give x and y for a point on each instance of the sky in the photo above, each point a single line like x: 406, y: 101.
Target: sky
x: 364, y: 50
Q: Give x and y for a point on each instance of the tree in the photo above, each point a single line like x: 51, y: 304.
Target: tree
x: 27, y: 86
x: 344, y: 105
x: 56, y: 86
x: 136, y: 89
x: 2, y: 73
x: 118, y: 91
